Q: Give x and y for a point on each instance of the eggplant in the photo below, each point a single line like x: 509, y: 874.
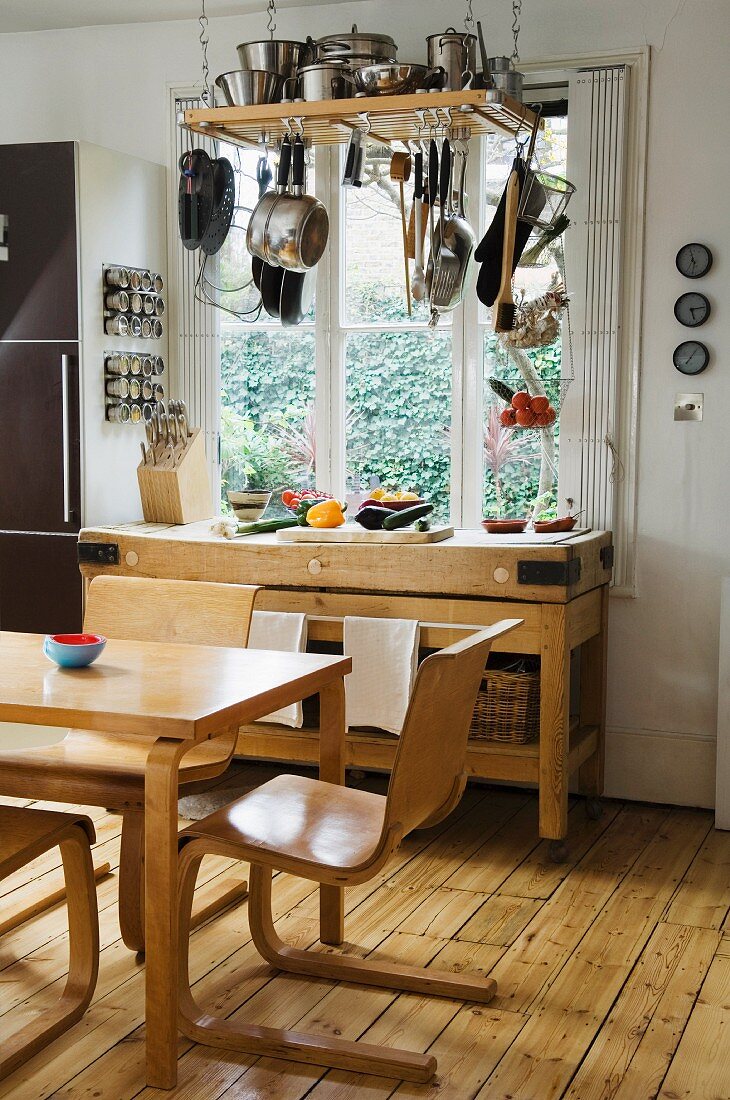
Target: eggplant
x: 372, y: 517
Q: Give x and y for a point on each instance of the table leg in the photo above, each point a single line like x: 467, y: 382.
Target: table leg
x: 554, y: 723
x: 332, y: 770
x: 161, y: 961
x: 593, y: 668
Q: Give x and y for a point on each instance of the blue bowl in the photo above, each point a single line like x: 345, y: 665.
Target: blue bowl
x: 73, y: 650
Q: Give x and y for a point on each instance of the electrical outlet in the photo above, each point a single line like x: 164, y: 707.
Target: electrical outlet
x: 688, y: 406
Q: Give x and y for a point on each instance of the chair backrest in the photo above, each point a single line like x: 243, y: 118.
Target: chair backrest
x: 149, y: 609
x: 428, y: 771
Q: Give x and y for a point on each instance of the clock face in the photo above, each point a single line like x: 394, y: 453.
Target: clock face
x: 692, y: 309
x: 691, y: 357
x: 694, y: 260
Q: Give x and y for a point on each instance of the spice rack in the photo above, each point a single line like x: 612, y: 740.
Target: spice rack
x: 385, y: 119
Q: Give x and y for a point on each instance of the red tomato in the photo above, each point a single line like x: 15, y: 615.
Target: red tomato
x: 521, y: 401
x: 525, y: 418
x: 539, y: 404
x: 507, y: 417
x: 286, y: 497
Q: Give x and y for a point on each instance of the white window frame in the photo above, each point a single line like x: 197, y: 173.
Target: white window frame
x: 467, y: 331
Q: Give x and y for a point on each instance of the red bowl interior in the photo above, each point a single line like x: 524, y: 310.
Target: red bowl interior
x: 77, y: 639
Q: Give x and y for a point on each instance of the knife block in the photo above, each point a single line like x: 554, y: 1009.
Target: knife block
x: 178, y: 493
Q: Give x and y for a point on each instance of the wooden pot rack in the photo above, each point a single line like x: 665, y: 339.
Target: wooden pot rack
x: 384, y: 119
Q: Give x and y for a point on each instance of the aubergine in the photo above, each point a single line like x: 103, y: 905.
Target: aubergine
x: 373, y: 517
x: 406, y: 517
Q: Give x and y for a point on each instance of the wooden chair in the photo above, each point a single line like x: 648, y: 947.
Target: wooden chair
x: 341, y: 836
x: 25, y: 835
x: 108, y: 770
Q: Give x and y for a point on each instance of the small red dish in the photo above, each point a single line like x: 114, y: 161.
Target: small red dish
x: 394, y: 505
x: 552, y: 526
x: 504, y: 526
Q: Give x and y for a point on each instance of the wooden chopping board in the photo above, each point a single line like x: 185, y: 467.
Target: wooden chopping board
x: 352, y: 532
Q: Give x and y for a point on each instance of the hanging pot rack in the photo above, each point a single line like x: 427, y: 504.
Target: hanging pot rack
x: 386, y: 120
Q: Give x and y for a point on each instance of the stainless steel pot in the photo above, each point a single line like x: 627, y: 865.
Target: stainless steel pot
x: 386, y: 79
x: 259, y: 220
x: 250, y: 87
x: 454, y: 52
x: 509, y: 82
x: 379, y: 47
x: 298, y: 225
x: 499, y: 64
x: 326, y: 80
x: 275, y: 55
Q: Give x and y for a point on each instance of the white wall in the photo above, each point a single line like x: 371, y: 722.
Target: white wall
x: 107, y: 85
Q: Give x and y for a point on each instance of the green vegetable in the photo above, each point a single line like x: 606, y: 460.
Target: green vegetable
x: 406, y: 517
x: 265, y: 527
x: 372, y: 517
x: 423, y: 525
x: 303, y: 507
x: 502, y: 390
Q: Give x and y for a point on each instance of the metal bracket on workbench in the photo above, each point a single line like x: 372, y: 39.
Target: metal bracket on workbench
x: 549, y: 572
x: 95, y: 553
x: 606, y: 556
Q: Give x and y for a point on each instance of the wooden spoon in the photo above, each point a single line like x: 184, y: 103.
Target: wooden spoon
x: 400, y: 171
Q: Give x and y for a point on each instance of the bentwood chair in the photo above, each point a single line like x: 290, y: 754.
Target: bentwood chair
x: 25, y: 835
x: 343, y: 837
x: 97, y: 769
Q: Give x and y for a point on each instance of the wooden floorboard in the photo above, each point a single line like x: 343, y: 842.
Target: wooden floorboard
x: 613, y: 968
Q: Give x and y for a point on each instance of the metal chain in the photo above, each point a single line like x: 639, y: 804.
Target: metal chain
x: 204, y: 39
x: 271, y: 18
x: 516, y: 28
x: 469, y: 18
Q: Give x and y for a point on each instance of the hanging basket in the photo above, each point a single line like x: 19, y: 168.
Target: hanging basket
x: 534, y: 410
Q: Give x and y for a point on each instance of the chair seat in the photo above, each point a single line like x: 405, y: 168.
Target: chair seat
x: 312, y: 825
x: 26, y: 834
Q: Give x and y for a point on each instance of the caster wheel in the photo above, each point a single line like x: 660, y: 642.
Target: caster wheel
x: 558, y: 851
x: 594, y: 808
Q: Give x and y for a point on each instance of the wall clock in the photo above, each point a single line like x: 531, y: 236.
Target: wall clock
x: 692, y: 309
x: 694, y: 260
x: 691, y: 357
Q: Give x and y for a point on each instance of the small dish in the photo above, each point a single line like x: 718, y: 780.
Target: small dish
x: 394, y: 505
x: 249, y: 504
x: 73, y: 650
x: 504, y: 526
x: 551, y: 526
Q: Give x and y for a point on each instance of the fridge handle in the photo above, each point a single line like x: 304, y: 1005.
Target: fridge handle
x: 67, y: 517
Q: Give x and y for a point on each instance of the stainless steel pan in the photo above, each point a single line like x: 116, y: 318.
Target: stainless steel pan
x: 298, y: 225
x: 259, y: 220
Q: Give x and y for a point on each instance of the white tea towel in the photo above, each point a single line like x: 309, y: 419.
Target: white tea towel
x: 287, y: 632
x: 384, y: 661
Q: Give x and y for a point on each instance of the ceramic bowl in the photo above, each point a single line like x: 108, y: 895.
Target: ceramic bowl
x: 548, y: 526
x: 249, y: 504
x: 504, y: 526
x: 73, y: 650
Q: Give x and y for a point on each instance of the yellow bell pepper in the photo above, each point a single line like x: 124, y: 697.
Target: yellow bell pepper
x: 326, y: 514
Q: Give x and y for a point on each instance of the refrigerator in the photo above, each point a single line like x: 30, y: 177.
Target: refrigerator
x: 67, y: 209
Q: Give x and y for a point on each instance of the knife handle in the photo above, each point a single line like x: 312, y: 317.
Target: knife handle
x: 433, y: 172
x: 418, y: 181
x: 445, y: 175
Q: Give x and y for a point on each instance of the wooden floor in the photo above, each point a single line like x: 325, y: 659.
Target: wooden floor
x: 613, y: 969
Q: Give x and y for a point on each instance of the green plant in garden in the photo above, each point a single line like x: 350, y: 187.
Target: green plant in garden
x: 502, y: 447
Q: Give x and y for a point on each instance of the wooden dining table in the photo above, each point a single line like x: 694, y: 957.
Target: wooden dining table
x: 180, y: 695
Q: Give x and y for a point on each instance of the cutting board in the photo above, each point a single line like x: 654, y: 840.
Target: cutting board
x: 352, y: 532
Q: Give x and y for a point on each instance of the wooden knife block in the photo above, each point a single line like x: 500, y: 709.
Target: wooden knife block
x: 179, y: 493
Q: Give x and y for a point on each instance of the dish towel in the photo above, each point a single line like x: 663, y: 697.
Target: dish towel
x: 285, y: 631
x: 384, y: 661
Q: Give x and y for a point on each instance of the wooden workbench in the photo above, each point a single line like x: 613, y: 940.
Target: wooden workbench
x: 557, y: 583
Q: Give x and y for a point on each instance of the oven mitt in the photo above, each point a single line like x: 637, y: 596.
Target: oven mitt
x: 489, y: 250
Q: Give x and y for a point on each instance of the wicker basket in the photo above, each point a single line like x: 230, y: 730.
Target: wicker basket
x: 507, y: 707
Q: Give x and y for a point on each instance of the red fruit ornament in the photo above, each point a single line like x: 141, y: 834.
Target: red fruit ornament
x: 539, y: 404
x: 521, y: 401
x: 525, y: 417
x: 508, y: 418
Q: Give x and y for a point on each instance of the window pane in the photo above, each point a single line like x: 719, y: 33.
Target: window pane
x: 374, y: 267
x: 521, y: 464
x: 267, y: 410
x: 399, y: 412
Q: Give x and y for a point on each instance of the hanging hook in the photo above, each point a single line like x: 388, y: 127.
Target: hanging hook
x: 365, y: 122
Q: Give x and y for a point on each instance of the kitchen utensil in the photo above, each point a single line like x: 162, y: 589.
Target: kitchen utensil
x: 144, y: 453
x: 393, y: 79
x: 445, y: 262
x: 418, y: 282
x: 326, y: 80
x: 224, y: 201
x: 499, y: 64
x: 549, y: 526
x: 400, y: 171
x: 195, y: 198
x: 504, y: 306
x: 250, y: 87
x: 117, y: 364
x: 379, y: 47
x: 354, y: 159
x: 117, y: 276
x: 182, y: 422
x: 504, y: 526
x: 456, y: 53
x: 117, y: 326
x: 117, y: 387
x: 274, y: 55
x: 511, y: 83
x: 297, y: 295
x: 459, y: 237
x: 73, y: 650
x: 489, y: 251
x: 486, y: 71
x: 118, y: 413
x: 261, y: 215
x: 298, y: 226
x: 118, y: 300
x: 248, y: 505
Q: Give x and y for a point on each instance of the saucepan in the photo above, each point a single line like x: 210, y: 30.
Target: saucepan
x: 298, y: 225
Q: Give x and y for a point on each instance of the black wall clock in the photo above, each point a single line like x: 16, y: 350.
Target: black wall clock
x: 694, y: 260
x: 691, y: 357
x: 692, y: 309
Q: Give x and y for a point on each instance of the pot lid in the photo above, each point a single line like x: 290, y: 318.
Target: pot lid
x: 355, y: 34
x: 329, y: 63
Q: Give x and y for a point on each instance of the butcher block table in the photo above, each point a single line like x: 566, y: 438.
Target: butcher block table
x: 557, y: 583
x: 181, y: 695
